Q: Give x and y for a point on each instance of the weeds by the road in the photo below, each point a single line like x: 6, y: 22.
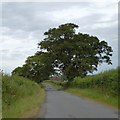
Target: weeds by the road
x: 21, y: 97
x: 96, y: 95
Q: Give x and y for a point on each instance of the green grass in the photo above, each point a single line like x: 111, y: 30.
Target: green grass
x: 22, y: 97
x: 96, y: 95
x: 107, y: 82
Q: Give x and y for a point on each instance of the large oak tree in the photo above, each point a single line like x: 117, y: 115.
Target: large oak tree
x: 74, y: 54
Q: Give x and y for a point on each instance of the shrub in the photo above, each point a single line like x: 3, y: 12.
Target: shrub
x: 106, y: 82
x: 15, y: 87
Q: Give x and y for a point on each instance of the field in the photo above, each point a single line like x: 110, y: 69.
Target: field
x: 21, y: 97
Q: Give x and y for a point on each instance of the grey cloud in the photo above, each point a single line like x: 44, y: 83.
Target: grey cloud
x: 24, y: 20
x: 108, y: 32
x: 32, y: 16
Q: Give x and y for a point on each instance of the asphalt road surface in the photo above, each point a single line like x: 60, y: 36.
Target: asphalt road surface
x: 60, y: 104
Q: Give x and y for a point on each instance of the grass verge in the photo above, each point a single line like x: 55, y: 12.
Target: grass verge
x: 25, y: 107
x: 96, y: 95
x: 22, y: 98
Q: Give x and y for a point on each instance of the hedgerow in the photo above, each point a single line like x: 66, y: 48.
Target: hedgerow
x: 106, y: 82
x: 19, y: 96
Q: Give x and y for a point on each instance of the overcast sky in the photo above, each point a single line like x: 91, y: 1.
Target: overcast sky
x: 24, y: 23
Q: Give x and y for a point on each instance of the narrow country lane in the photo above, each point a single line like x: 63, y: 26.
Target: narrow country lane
x: 60, y: 104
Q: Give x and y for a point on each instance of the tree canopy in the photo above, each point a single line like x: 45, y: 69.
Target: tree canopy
x: 75, y: 54
x: 69, y: 52
x: 37, y: 67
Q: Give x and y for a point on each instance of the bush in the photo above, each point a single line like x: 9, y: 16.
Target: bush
x: 15, y: 88
x: 106, y: 82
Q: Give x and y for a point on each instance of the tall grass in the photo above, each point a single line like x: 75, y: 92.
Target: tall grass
x: 20, y: 96
x: 95, y: 95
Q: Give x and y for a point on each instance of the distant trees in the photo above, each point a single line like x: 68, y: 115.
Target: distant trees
x: 37, y: 67
x: 67, y: 52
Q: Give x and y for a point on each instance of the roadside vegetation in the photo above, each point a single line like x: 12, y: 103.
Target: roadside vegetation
x: 106, y: 82
x: 102, y: 87
x: 96, y: 95
x: 21, y: 97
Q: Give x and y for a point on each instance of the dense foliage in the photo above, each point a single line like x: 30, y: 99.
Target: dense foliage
x: 75, y: 54
x: 37, y: 67
x: 16, y: 91
x: 15, y: 87
x: 106, y: 82
x: 66, y: 52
